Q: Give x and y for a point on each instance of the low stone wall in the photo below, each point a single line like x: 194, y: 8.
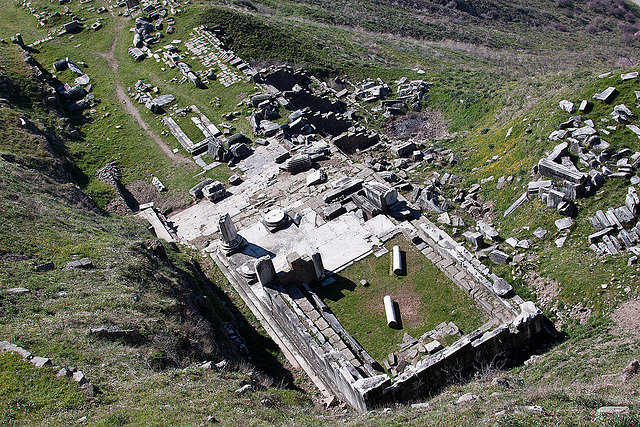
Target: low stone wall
x: 503, y: 344
x: 465, y: 270
x: 310, y: 335
x: 318, y: 357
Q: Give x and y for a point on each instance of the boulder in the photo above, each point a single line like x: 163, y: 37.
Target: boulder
x: 467, y: 398
x: 613, y: 410
x: 502, y: 288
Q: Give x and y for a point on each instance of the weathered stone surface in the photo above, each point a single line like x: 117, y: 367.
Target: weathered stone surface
x: 595, y: 237
x: 433, y: 346
x: 476, y: 239
x: 265, y: 270
x: 64, y: 372
x: 235, y: 180
x: 487, y: 231
x: 613, y: 410
x: 79, y: 377
x: 564, y: 223
x: 39, y: 362
x: 631, y: 370
x: 342, y: 188
x: 534, y: 187
x: 467, y: 398
x: 567, y: 208
x: 196, y: 190
x: 552, y: 169
x: 540, y: 233
x: 528, y: 311
x: 244, y: 389
x: 380, y: 195
x: 519, y: 202
x: 84, y: 263
x: 502, y: 288
x: 316, y: 177
x: 498, y: 257
x: 583, y: 105
x: 567, y: 106
x: 333, y: 211
x: 421, y: 405
x: 18, y: 290
x: 606, y: 95
x: 47, y: 266
x: 89, y: 390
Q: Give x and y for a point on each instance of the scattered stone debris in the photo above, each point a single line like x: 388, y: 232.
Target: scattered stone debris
x: 44, y: 362
x: 109, y: 173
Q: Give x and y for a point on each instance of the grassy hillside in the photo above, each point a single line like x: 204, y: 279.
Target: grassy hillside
x: 178, y: 316
x: 496, y: 65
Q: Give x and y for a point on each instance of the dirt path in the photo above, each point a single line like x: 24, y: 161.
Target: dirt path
x: 128, y: 106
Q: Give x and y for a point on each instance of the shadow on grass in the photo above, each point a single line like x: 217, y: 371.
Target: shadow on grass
x: 396, y: 309
x: 335, y: 290
x: 263, y: 350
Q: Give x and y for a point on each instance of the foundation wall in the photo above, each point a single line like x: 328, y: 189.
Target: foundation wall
x: 521, y: 325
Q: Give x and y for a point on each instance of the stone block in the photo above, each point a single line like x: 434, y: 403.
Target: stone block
x: 613, y: 410
x: 333, y: 211
x: 607, y: 95
x: 487, y: 231
x: 433, y: 347
x: 47, y: 266
x: 564, y: 223
x: 498, y: 257
x: 540, y: 233
x: 39, y: 362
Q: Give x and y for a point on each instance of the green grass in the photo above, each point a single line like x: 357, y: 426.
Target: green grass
x: 30, y: 393
x: 425, y: 297
x: 514, y: 77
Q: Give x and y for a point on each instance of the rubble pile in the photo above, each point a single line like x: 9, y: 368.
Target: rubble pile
x: 109, y: 173
x: 412, y: 350
x: 617, y: 229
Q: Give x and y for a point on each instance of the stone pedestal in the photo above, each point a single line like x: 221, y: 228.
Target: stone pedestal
x: 230, y: 240
x: 276, y: 220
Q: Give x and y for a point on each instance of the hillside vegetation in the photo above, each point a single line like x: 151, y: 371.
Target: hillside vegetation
x: 497, y: 66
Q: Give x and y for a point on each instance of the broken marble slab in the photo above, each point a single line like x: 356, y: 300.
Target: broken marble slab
x: 606, y: 95
x: 564, y: 223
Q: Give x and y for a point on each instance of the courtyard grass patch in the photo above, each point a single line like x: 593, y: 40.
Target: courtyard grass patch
x: 426, y: 298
